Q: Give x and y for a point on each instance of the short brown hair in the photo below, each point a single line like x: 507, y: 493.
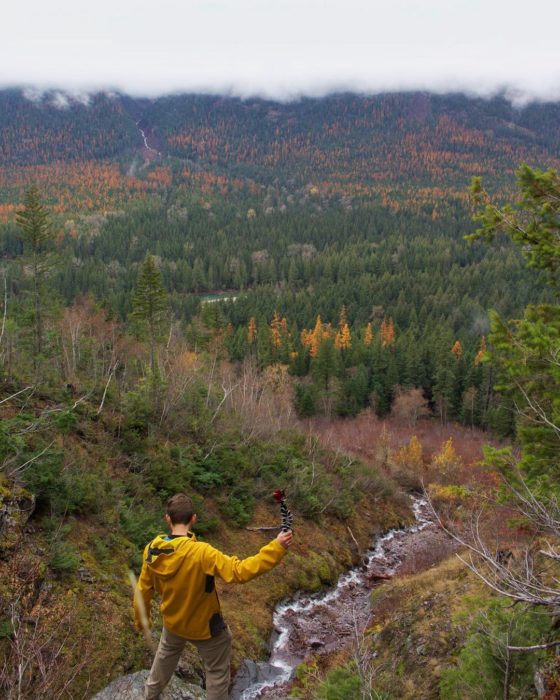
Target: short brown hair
x: 180, y: 509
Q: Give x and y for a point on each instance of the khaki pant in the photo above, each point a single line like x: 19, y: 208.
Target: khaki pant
x: 215, y: 653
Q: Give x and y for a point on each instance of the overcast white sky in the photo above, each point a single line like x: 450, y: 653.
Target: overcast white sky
x: 283, y: 48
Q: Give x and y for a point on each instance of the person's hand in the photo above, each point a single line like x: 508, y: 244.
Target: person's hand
x: 285, y: 538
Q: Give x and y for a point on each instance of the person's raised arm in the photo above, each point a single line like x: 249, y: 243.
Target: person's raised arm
x: 235, y: 570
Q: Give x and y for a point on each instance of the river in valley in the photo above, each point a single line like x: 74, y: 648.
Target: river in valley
x: 323, y: 623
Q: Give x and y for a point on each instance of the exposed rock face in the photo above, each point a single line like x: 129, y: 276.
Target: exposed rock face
x: 249, y: 674
x: 131, y: 687
x: 16, y: 507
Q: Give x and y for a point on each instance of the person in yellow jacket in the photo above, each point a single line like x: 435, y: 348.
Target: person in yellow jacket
x: 182, y: 570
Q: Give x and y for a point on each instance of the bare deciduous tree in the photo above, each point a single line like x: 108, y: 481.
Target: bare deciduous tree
x: 36, y: 664
x: 410, y: 405
x: 260, y: 401
x: 530, y: 575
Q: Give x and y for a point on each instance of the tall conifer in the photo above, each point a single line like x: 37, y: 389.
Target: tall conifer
x: 150, y: 306
x: 37, y: 234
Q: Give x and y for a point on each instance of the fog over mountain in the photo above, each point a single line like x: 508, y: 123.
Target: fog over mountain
x: 284, y: 49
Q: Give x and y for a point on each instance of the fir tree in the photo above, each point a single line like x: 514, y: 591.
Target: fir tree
x: 37, y: 234
x: 525, y: 351
x: 150, y: 306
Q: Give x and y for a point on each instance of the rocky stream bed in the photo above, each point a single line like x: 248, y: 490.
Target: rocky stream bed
x: 321, y: 624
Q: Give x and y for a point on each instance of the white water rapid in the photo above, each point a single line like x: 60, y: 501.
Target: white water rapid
x: 325, y: 622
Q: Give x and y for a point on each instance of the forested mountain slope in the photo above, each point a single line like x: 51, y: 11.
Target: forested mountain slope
x: 393, y: 147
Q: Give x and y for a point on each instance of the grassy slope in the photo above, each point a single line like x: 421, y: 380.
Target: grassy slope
x: 86, y: 611
x: 419, y: 623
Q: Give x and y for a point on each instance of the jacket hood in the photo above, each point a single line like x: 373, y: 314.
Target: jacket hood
x: 164, y: 556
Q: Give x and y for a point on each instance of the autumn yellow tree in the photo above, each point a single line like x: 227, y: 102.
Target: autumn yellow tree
x: 252, y: 331
x: 411, y: 456
x: 275, y: 331
x: 316, y: 337
x: 343, y: 338
x: 387, y: 332
x: 447, y: 458
x: 457, y: 350
x: 481, y: 351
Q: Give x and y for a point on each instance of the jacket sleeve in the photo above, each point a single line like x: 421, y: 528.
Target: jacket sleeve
x: 144, y: 591
x: 234, y: 570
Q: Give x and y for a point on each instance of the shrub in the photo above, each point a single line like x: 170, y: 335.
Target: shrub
x: 84, y: 490
x: 141, y: 524
x: 451, y: 493
x: 341, y: 684
x: 239, y: 508
x: 44, y: 479
x: 65, y: 421
x: 483, y: 666
x: 168, y: 477
x: 64, y: 559
x: 61, y: 490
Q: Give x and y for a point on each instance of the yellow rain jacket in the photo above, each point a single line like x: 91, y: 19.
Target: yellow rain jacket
x: 182, y: 571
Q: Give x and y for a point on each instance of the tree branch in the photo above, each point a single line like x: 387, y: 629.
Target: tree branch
x: 111, y: 373
x: 27, y: 388
x: 5, y: 307
x: 535, y: 647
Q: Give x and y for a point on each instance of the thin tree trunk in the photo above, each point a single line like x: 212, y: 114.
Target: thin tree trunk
x: 38, y: 318
x: 152, y: 349
x: 507, y: 671
x: 5, y: 308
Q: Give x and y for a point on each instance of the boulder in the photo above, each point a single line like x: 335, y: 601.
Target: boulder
x: 251, y: 673
x: 131, y: 687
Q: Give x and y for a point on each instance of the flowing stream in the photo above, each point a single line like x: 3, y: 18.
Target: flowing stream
x: 325, y: 622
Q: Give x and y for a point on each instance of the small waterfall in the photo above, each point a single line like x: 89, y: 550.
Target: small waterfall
x: 145, y: 139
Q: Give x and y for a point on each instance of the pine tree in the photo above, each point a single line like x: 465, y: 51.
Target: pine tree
x: 150, y: 306
x: 37, y: 235
x: 325, y: 365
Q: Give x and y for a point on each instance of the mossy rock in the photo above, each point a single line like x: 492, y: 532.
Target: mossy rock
x: 16, y: 506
